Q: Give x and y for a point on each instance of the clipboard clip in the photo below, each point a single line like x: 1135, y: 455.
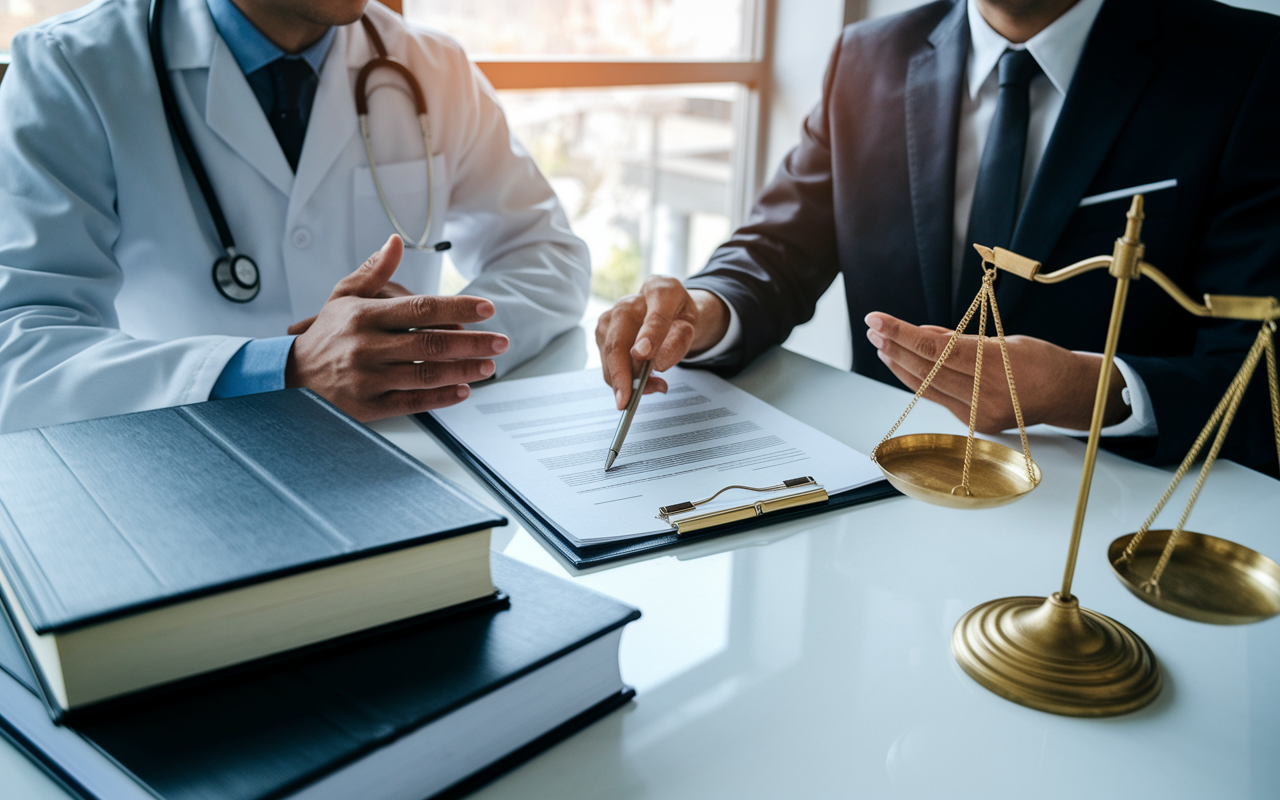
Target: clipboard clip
x: 680, y: 515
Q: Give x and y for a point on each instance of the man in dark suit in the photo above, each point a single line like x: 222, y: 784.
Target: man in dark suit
x: 1044, y: 116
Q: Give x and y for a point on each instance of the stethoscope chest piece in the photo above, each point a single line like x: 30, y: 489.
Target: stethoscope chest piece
x: 236, y: 277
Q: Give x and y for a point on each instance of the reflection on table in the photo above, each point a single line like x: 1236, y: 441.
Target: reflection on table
x: 812, y: 660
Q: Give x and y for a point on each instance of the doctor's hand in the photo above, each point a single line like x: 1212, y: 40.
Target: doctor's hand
x: 1055, y: 385
x: 664, y: 322
x: 392, y: 289
x: 375, y: 353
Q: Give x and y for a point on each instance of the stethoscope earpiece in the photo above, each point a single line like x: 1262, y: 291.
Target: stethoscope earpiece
x: 236, y: 277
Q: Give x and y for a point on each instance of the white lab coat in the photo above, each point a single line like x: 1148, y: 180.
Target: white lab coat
x: 107, y: 304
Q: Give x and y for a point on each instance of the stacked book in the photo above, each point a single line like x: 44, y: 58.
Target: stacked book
x: 260, y: 598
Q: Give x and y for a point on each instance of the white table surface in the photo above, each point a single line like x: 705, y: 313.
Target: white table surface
x: 812, y: 659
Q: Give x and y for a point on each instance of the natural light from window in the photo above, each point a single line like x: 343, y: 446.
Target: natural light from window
x: 646, y: 174
x: 614, y: 28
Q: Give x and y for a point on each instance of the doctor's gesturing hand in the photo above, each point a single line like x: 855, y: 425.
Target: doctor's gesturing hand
x: 376, y: 351
x: 664, y: 322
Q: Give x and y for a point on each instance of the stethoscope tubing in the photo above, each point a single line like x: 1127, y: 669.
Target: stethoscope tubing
x: 236, y: 275
x: 384, y: 61
x: 179, y: 126
x: 421, y: 242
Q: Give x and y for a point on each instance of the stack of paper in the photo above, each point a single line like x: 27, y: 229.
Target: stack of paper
x: 547, y: 437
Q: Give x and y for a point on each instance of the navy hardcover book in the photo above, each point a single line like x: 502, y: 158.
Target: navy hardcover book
x: 153, y: 546
x: 422, y: 710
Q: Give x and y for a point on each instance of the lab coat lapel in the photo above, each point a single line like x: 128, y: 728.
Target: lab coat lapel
x: 233, y: 113
x: 1108, y: 83
x: 189, y: 34
x: 934, y: 80
x: 332, y: 123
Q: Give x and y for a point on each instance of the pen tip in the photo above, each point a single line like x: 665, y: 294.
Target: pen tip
x: 609, y: 459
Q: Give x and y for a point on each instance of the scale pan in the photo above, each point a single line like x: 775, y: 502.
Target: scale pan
x: 1207, y: 580
x: 927, y: 466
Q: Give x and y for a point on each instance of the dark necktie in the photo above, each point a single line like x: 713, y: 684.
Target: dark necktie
x: 293, y: 85
x: 995, y: 196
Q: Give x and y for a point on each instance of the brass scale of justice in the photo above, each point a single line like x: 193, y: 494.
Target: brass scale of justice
x: 1051, y: 653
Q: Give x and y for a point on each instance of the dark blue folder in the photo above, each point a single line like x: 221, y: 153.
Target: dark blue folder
x: 604, y: 553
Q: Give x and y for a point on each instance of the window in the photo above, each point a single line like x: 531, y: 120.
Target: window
x: 18, y: 14
x: 712, y: 29
x: 642, y: 113
x: 645, y: 174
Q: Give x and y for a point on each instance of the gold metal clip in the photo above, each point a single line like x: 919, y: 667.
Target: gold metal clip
x: 808, y: 493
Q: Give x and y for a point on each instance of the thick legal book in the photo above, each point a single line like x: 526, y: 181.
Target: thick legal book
x: 140, y: 549
x: 412, y: 712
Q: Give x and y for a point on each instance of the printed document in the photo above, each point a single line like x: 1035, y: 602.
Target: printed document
x: 547, y: 438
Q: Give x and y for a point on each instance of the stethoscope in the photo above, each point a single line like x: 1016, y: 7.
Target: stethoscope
x: 235, y: 274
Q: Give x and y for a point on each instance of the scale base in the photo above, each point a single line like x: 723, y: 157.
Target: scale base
x: 1050, y: 654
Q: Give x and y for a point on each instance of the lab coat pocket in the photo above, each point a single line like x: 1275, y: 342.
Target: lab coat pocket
x: 405, y: 186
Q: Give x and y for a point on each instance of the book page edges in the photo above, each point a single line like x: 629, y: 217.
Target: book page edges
x: 214, y: 631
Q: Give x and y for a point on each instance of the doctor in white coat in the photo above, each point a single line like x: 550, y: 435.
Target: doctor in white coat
x: 107, y: 304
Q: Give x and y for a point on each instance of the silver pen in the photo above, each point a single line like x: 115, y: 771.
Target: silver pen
x: 624, y: 424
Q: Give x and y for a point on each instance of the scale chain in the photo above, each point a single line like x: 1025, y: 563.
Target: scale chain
x: 946, y: 351
x: 1013, y: 392
x: 1274, y: 384
x: 1225, y: 412
x: 985, y: 294
x: 1182, y: 470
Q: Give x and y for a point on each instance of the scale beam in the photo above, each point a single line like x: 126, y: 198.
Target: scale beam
x: 1215, y: 306
x: 1052, y: 654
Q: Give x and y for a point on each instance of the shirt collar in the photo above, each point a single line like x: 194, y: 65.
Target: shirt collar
x: 251, y: 49
x: 1056, y: 49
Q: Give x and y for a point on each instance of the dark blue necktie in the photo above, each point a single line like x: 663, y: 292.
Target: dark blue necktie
x: 995, y: 196
x: 293, y: 85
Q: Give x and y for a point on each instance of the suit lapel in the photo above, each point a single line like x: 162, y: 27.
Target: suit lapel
x: 934, y: 80
x: 233, y: 113
x: 1108, y: 83
x: 333, y: 120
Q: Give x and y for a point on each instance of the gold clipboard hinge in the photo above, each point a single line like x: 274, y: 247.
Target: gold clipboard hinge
x: 809, y: 493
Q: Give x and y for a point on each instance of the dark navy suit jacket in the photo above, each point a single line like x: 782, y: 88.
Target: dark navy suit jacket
x: 1182, y: 89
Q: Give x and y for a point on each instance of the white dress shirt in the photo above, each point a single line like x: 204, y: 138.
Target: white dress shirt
x: 1057, y: 51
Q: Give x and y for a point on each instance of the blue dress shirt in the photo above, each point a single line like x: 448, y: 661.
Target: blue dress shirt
x: 259, y: 365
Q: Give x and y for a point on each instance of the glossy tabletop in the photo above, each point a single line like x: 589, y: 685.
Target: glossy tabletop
x: 812, y: 659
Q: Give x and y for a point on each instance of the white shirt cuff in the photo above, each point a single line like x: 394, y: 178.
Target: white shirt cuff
x: 1141, y: 420
x: 732, y: 337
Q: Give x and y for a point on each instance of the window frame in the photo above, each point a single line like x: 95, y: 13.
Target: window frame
x: 752, y: 73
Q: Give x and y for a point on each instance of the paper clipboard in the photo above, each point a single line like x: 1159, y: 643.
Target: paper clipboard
x: 688, y: 518
x: 608, y: 552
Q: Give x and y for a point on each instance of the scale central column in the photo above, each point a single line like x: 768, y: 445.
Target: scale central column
x: 1049, y: 653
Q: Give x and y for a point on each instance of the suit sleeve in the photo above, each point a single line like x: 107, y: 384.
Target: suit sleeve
x: 62, y: 354
x: 1239, y: 254
x: 511, y: 236
x: 774, y: 268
